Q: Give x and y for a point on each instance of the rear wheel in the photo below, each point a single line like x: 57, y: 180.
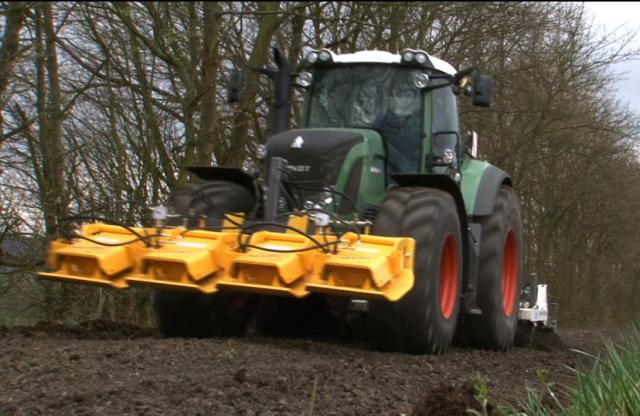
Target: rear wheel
x: 192, y: 314
x: 500, y: 276
x: 424, y: 320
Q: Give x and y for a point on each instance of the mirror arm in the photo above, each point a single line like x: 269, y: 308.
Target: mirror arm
x: 461, y: 74
x: 435, y: 87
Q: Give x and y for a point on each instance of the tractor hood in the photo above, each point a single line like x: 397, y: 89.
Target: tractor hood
x: 349, y: 161
x: 314, y: 155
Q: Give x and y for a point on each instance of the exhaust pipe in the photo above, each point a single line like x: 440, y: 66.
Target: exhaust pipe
x: 282, y: 92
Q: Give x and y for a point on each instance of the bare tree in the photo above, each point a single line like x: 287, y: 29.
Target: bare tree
x: 15, y: 15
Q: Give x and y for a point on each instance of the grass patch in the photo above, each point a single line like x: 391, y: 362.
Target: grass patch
x: 611, y: 387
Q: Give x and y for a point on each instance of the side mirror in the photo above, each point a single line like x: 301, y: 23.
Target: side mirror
x: 482, y: 87
x: 235, y: 86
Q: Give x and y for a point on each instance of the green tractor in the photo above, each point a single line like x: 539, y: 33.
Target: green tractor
x: 389, y: 212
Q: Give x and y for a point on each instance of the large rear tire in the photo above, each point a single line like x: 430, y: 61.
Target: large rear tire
x: 500, y: 276
x: 192, y: 314
x: 424, y: 320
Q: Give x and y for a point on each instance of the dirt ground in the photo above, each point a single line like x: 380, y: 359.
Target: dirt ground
x: 104, y: 368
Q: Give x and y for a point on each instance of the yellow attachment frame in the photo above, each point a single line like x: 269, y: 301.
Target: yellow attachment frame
x: 278, y: 263
x: 87, y: 262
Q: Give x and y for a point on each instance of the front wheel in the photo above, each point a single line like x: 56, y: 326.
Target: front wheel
x: 424, y: 320
x: 193, y: 314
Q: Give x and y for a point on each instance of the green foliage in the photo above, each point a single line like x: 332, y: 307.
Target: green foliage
x: 488, y: 408
x: 611, y: 387
x: 482, y: 396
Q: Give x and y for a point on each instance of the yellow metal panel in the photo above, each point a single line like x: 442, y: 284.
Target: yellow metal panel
x: 270, y: 267
x: 232, y: 220
x: 145, y: 280
x: 297, y: 292
x: 366, y: 265
x: 185, y: 259
x: 370, y: 266
x: 301, y: 222
x: 196, y: 264
x: 87, y: 262
x: 109, y: 260
x: 61, y: 277
x: 286, y: 266
x: 393, y: 292
x: 374, y: 265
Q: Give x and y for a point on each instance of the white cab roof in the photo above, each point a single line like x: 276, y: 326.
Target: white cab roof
x: 384, y: 57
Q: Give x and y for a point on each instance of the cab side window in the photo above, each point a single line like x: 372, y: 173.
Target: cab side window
x: 445, y: 125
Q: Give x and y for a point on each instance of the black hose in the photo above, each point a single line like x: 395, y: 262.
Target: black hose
x: 323, y: 247
x: 220, y: 228
x: 328, y: 189
x: 335, y: 218
x: 110, y: 222
x: 244, y: 245
x: 299, y: 185
x: 124, y: 243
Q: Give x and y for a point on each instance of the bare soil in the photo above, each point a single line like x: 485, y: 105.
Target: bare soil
x: 101, y: 368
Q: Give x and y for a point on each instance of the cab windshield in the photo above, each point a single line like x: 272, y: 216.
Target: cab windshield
x: 371, y: 96
x: 356, y: 95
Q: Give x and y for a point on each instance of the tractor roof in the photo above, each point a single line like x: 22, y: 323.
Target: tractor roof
x: 388, y: 58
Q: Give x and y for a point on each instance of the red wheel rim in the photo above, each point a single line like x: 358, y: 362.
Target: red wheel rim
x: 448, y: 277
x: 509, y: 273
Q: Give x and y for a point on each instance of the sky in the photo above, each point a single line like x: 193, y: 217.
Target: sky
x: 607, y: 17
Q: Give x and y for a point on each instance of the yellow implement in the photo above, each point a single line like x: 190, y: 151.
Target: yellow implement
x: 84, y: 261
x: 185, y: 259
x: 279, y: 263
x: 276, y: 267
x: 370, y: 266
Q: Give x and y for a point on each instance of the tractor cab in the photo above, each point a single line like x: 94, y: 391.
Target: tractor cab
x: 367, y: 117
x: 405, y: 98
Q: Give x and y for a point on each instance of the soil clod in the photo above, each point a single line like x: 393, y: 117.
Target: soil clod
x: 448, y: 400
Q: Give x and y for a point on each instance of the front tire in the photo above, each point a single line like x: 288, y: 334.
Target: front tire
x: 192, y: 314
x: 424, y: 320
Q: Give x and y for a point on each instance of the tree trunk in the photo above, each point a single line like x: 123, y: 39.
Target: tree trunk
x: 14, y: 19
x: 268, y: 25
x: 51, y: 158
x: 207, y: 136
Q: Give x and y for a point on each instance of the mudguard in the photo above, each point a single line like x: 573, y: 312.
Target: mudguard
x: 234, y: 175
x: 479, y: 187
x: 442, y: 182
